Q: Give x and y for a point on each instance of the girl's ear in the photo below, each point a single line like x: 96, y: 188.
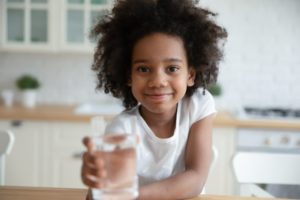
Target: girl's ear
x: 191, y: 76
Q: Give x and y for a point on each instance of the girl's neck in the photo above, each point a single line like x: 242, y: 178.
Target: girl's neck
x: 162, y: 124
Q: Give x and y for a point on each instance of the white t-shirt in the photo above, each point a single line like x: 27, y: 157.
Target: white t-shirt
x: 159, y: 158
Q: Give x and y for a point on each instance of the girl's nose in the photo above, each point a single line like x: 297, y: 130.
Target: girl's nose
x: 158, y: 79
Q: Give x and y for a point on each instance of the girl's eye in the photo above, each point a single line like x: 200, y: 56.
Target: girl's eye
x: 142, y: 69
x: 173, y: 69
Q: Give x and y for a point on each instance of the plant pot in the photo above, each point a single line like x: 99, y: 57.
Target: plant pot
x: 29, y: 98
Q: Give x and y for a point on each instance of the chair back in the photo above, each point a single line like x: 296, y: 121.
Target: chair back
x: 6, y: 143
x: 215, y: 155
x: 212, y: 164
x: 266, y: 168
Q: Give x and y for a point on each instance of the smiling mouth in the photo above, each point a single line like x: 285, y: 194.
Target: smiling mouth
x: 158, y: 97
x: 158, y: 94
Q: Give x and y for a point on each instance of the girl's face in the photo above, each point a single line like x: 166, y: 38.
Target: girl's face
x: 159, y: 72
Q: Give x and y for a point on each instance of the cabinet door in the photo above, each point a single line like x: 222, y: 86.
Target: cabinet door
x: 79, y: 18
x: 46, y: 154
x: 22, y: 164
x: 221, y: 180
x: 65, y: 153
x: 26, y: 23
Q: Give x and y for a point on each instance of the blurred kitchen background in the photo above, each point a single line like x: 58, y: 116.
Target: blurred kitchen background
x: 261, y: 65
x: 49, y: 40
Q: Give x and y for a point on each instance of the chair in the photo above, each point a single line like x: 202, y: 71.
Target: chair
x: 215, y: 155
x: 252, y: 168
x: 6, y: 142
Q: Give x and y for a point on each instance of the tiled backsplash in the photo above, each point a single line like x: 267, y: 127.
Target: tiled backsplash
x: 65, y: 78
x: 261, y: 67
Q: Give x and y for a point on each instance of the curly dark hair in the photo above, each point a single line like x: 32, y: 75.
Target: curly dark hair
x: 131, y: 20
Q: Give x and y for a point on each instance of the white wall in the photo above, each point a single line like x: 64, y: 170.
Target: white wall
x: 261, y: 67
x: 262, y: 56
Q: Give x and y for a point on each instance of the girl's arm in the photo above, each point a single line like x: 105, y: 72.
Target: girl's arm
x: 197, y: 161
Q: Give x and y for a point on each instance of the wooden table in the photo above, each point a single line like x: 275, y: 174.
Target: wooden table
x: 40, y: 193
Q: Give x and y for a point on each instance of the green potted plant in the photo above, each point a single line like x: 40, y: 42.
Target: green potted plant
x: 28, y: 85
x: 215, y: 89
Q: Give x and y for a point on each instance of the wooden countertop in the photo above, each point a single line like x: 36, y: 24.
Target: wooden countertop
x: 38, y: 193
x: 66, y: 113
x: 226, y: 120
x: 44, y: 112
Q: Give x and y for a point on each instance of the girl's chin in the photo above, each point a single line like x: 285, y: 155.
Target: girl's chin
x: 157, y: 109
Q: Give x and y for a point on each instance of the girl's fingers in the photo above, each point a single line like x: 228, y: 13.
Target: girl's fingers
x: 93, y: 165
x: 93, y: 159
x: 92, y: 170
x: 88, y: 159
x: 87, y: 141
x: 92, y: 177
x: 92, y: 182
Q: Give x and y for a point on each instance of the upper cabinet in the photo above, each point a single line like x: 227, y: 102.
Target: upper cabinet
x: 49, y: 25
x: 79, y: 16
x: 26, y: 24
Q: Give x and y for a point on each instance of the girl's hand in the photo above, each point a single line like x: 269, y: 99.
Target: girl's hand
x: 92, y: 170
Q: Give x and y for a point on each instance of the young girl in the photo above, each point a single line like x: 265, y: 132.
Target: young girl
x: 158, y: 56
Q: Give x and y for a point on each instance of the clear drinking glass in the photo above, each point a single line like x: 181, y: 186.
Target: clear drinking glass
x: 119, y: 156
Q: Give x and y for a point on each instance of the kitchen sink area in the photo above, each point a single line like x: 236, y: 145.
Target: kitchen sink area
x: 98, y: 108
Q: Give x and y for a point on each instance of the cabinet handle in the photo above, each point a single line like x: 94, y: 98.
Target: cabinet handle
x: 16, y: 123
x: 77, y: 155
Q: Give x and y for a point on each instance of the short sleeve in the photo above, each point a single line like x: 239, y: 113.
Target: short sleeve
x: 201, y: 105
x: 122, y: 123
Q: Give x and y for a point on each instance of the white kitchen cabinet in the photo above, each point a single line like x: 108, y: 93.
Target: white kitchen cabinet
x: 46, y: 153
x: 23, y: 164
x: 65, y: 153
x: 78, y: 18
x: 26, y: 24
x: 49, y: 25
x: 221, y: 180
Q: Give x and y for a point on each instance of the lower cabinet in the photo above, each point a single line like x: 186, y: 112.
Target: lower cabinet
x: 23, y: 163
x: 65, y: 152
x: 45, y: 153
x: 221, y: 180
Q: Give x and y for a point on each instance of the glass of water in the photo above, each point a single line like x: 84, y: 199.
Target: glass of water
x: 119, y: 156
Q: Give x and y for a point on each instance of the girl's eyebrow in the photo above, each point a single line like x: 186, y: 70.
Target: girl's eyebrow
x: 165, y: 60
x: 173, y: 60
x: 139, y: 61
